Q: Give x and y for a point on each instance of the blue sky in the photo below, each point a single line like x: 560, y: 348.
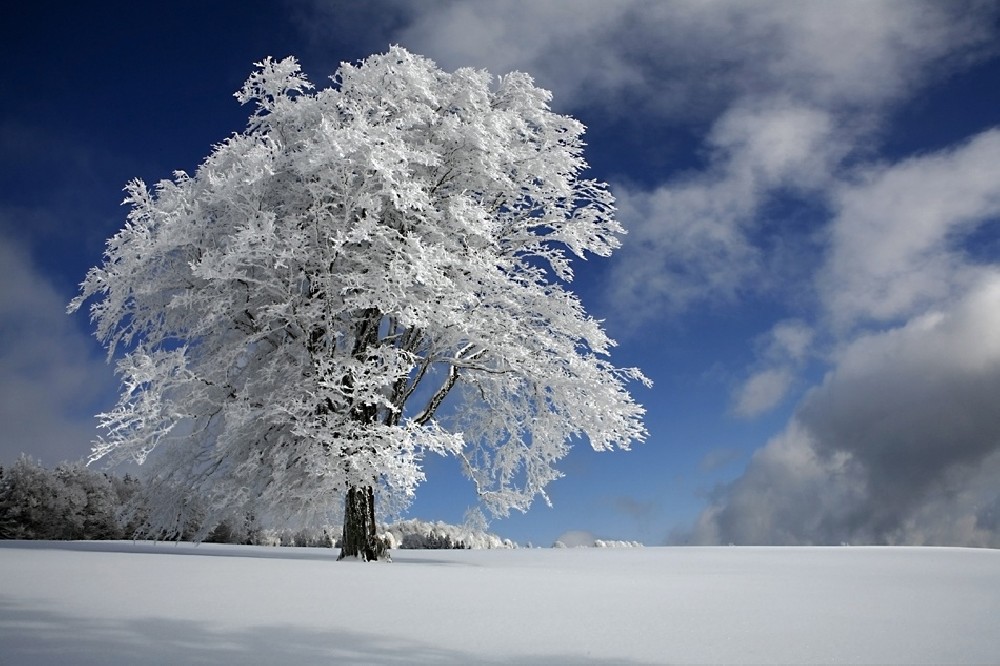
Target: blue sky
x: 811, y: 275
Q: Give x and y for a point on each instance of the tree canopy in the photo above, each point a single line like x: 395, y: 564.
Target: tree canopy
x: 367, y: 274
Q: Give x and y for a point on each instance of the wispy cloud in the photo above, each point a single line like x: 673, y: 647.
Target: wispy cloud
x: 697, y: 237
x: 717, y: 459
x: 781, y: 352
x: 762, y: 391
x: 690, y: 59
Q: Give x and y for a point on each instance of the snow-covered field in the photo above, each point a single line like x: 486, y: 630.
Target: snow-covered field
x: 130, y: 603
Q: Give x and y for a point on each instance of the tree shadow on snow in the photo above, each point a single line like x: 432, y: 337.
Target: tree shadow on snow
x: 35, y: 637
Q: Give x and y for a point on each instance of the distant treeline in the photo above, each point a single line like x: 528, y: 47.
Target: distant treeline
x: 68, y: 502
x: 75, y: 502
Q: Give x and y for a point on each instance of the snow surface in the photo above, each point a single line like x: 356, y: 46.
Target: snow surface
x: 128, y: 603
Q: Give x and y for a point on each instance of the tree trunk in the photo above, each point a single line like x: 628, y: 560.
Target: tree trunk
x: 359, y: 538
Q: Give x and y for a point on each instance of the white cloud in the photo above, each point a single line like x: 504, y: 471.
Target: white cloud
x: 781, y: 352
x: 789, y: 495
x: 900, y: 441
x: 788, y: 341
x: 895, y: 241
x: 898, y: 445
x: 904, y: 431
x: 694, y: 238
x: 694, y: 57
x: 763, y: 391
x: 50, y: 382
x: 572, y: 48
x: 865, y: 53
x: 810, y: 103
x: 761, y: 144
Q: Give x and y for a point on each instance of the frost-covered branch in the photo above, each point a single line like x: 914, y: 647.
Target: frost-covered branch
x: 369, y: 273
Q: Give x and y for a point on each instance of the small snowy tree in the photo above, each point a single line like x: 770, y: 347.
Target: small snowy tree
x: 366, y: 274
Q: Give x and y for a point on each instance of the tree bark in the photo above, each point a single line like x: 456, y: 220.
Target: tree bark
x: 359, y: 538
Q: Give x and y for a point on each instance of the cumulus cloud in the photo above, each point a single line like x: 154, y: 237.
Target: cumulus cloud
x: 810, y: 103
x: 51, y: 384
x: 696, y: 237
x: 789, y: 495
x: 915, y: 403
x: 698, y: 56
x: 899, y: 445
x: 896, y: 241
x: 900, y: 441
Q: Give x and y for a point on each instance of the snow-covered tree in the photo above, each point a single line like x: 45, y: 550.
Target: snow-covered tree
x: 92, y: 500
x: 420, y: 534
x: 33, y: 502
x: 70, y: 502
x: 367, y: 274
